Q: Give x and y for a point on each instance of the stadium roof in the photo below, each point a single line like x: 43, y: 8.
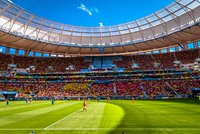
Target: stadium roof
x: 176, y: 24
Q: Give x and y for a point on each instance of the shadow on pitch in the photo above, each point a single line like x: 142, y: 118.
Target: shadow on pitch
x: 128, y: 120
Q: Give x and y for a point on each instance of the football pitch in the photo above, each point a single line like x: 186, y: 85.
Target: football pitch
x: 105, y: 117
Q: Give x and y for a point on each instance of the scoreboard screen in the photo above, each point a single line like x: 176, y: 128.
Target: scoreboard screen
x: 101, y: 50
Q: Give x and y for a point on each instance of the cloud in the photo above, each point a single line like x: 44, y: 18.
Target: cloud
x: 84, y: 8
x: 10, y: 1
x: 90, y: 11
x: 101, y: 24
x: 1, y: 50
x: 96, y: 10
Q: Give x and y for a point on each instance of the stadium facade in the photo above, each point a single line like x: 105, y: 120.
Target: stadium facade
x: 175, y: 25
x: 152, y: 57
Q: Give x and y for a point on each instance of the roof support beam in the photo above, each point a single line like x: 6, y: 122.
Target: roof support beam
x: 15, y: 40
x: 152, y: 47
x: 190, y: 33
x: 43, y: 47
x: 1, y: 36
x: 161, y: 42
x: 162, y: 22
x: 140, y: 30
x: 55, y: 49
x: 125, y: 49
x: 14, y: 20
x: 26, y: 25
x: 79, y: 51
x: 91, y: 51
x: 179, y: 44
x: 187, y: 9
x: 4, y: 9
x: 174, y: 18
x: 137, y: 48
x: 151, y: 27
x: 113, y: 50
x: 67, y: 51
x: 33, y: 42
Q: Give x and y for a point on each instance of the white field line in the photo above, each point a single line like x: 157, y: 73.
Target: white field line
x: 87, y: 129
x: 61, y: 119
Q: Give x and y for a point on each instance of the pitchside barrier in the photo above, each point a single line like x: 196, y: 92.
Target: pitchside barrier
x: 195, y: 92
x: 128, y: 97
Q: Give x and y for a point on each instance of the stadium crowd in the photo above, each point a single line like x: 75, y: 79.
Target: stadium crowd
x: 150, y: 89
x: 59, y: 64
x: 79, y: 85
x: 147, y: 62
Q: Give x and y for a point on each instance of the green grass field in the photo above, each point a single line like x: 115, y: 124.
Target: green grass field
x: 106, y: 117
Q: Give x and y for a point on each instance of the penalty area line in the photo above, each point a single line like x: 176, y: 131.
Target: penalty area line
x: 61, y: 119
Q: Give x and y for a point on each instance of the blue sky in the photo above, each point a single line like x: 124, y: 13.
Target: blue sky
x: 92, y: 12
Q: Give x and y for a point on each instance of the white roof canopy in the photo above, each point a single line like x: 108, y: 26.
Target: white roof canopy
x: 160, y: 23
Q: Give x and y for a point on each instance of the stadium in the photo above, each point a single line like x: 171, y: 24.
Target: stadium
x: 140, y: 76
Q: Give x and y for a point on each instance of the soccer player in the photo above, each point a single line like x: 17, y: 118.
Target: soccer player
x: 133, y: 99
x: 52, y: 101
x: 26, y: 100
x: 98, y: 98
x: 31, y: 100
x: 7, y: 102
x: 84, y: 106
